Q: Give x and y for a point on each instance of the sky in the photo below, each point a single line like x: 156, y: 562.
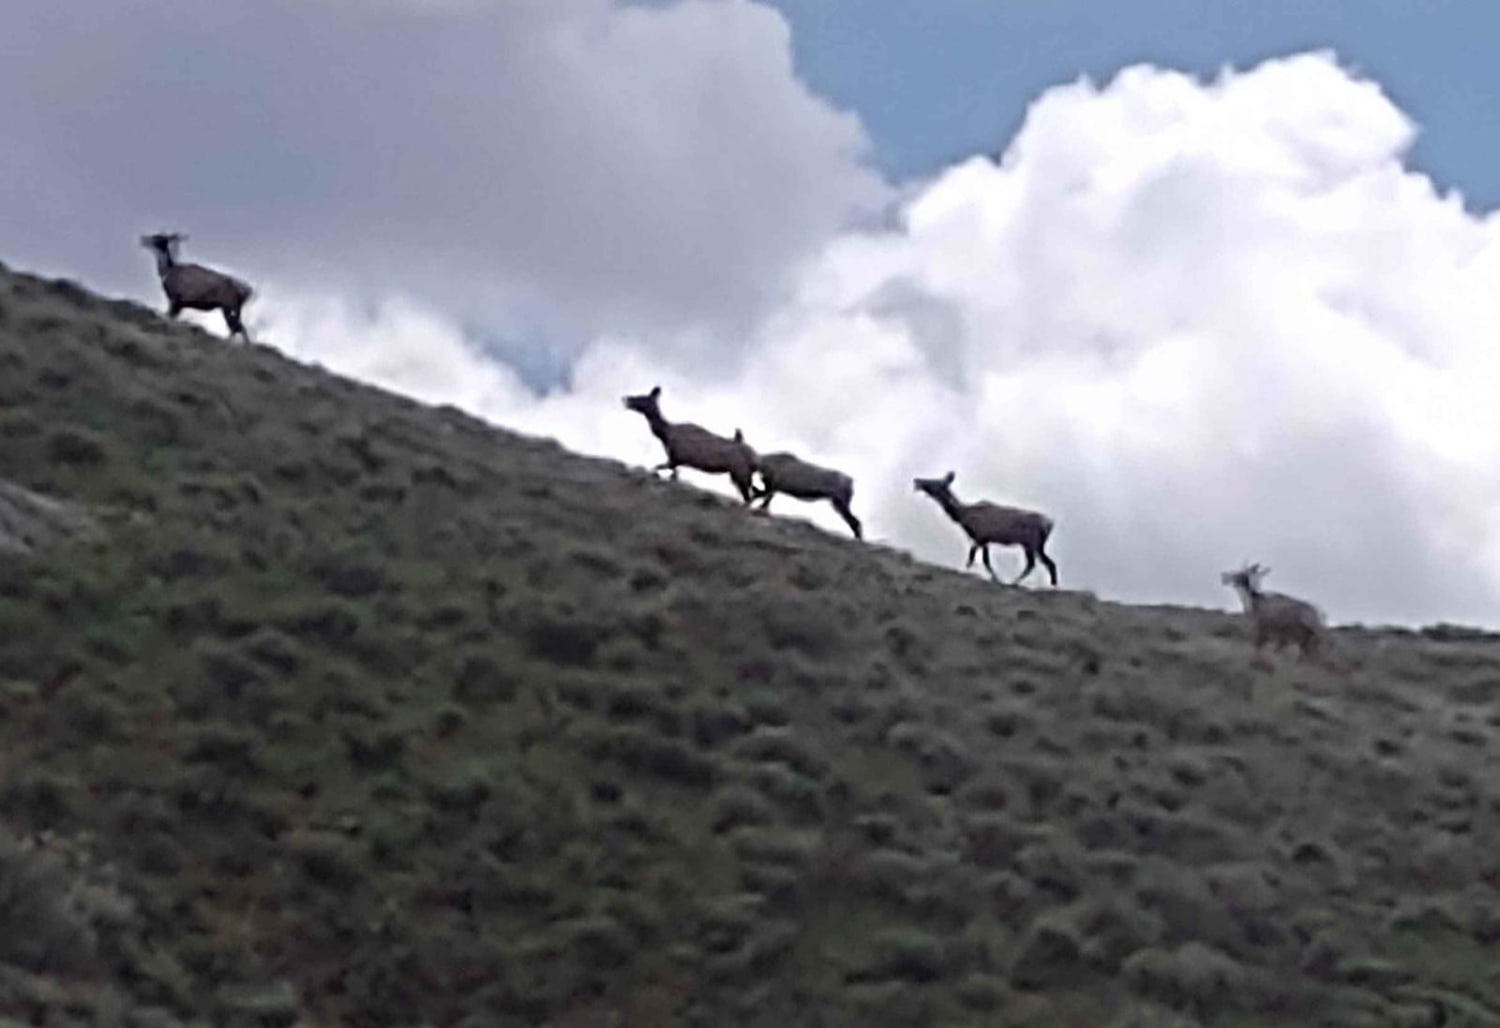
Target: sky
x: 931, y: 79
x: 1204, y: 287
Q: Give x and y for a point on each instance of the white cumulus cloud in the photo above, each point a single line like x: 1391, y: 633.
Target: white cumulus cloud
x: 1194, y: 321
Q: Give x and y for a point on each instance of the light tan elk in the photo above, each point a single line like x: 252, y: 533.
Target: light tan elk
x: 1275, y: 617
x: 790, y: 474
x: 988, y: 523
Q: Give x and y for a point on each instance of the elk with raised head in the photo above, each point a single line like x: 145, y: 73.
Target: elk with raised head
x: 1275, y: 617
x: 194, y: 287
x: 693, y: 446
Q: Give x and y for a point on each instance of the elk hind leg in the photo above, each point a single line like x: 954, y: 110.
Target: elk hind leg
x: 1048, y: 564
x: 235, y: 325
x: 1030, y: 564
x: 849, y: 519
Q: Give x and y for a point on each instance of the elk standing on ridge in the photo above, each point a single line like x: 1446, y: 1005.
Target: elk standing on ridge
x: 1276, y: 617
x: 790, y: 474
x: 194, y: 287
x: 988, y: 523
x: 690, y: 445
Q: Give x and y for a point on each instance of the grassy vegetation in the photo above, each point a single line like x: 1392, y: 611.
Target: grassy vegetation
x: 348, y: 710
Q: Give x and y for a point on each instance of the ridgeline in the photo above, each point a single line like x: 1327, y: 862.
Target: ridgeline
x: 319, y: 706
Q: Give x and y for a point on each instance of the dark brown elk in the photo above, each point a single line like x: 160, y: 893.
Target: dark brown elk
x: 988, y: 523
x: 693, y: 446
x: 194, y: 287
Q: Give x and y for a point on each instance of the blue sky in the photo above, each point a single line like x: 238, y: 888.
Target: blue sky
x: 935, y: 80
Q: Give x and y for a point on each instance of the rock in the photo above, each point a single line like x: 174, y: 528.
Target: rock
x: 272, y: 1005
x: 30, y: 521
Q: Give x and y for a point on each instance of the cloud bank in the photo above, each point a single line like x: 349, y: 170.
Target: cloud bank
x: 544, y: 168
x: 1195, y: 321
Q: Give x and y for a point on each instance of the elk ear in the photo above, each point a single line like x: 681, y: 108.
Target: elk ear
x: 655, y: 393
x: 739, y: 436
x: 948, y: 478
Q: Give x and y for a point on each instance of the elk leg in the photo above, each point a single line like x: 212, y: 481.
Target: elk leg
x: 1047, y: 563
x: 236, y: 327
x: 849, y: 518
x: 1030, y: 563
x: 985, y: 550
x: 974, y: 552
x: 765, y: 498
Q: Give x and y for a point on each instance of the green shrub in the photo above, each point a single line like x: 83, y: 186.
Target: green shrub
x: 329, y: 860
x: 374, y: 748
x: 41, y: 796
x: 736, y: 806
x: 942, y: 760
x: 801, y: 625
x: 1050, y: 957
x: 646, y: 752
x: 1187, y: 907
x: 1111, y: 928
x: 800, y: 797
x: 562, y: 635
x: 781, y: 745
x: 768, y: 945
x: 981, y: 992
x: 329, y: 621
x: 481, y: 679
x: 909, y: 955
x: 53, y: 912
x: 76, y: 446
x: 274, y: 649
x: 754, y: 845
x: 229, y: 747
x: 890, y: 876
x: 715, y: 724
x: 726, y: 922
x: 1193, y: 975
x: 226, y: 666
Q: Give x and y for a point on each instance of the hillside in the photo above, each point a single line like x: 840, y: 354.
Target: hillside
x: 320, y: 706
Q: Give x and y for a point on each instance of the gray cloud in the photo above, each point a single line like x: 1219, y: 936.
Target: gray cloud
x: 566, y: 166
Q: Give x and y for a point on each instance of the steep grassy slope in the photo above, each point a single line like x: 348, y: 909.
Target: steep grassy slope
x: 353, y: 711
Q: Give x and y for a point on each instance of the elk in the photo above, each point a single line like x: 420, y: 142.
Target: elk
x: 693, y: 446
x: 988, y: 523
x: 1276, y: 617
x: 790, y: 474
x: 194, y: 287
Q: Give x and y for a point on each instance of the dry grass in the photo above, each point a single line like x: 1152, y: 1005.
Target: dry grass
x: 380, y: 715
